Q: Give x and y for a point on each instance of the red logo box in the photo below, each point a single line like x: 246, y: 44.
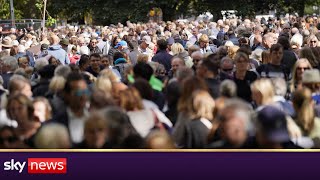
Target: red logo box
x: 47, y: 165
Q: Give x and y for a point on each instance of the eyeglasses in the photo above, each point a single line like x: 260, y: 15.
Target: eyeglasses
x: 82, y: 92
x: 313, y: 41
x: 303, y: 68
x: 11, y: 139
x: 93, y: 42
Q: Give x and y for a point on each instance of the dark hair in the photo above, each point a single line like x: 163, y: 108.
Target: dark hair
x: 99, y: 100
x: 284, y: 41
x: 117, y: 55
x: 245, y: 49
x: 96, y: 55
x: 84, y: 59
x: 162, y: 44
x: 73, y: 76
x: 121, y: 133
x: 212, y: 64
x: 4, y: 128
x: 276, y: 47
x: 143, y: 70
x: 144, y: 88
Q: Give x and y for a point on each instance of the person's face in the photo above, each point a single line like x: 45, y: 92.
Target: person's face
x: 144, y: 45
x: 256, y: 96
x: 195, y: 32
x: 286, y: 29
x: 175, y: 65
x: 276, y: 56
x: 203, y: 44
x: 94, y: 62
x: 7, y: 140
x: 18, y: 112
x: 23, y: 63
x: 40, y: 110
x: 55, y: 62
x: 227, y: 68
x: 242, y: 64
x: 196, y: 60
x: 94, y: 43
x: 269, y: 42
x: 201, y: 71
x: 79, y: 94
x: 95, y: 135
x: 313, y: 42
x: 234, y: 130
x: 105, y: 62
x: 300, y: 70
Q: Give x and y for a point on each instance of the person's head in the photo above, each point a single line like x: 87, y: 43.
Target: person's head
x: 159, y: 140
x: 189, y: 85
x: 193, y: 49
x: 286, y: 28
x: 121, y: 45
x: 262, y: 91
x: 8, y: 140
x: 130, y: 99
x: 10, y: 64
x: 242, y: 62
x: 235, y: 120
x: 266, y: 57
x: 19, y: 84
x: 271, y: 125
x: 162, y: 44
x: 232, y: 51
x: 176, y: 63
x: 57, y: 84
x: 276, y: 52
x: 284, y: 41
x: 196, y: 56
x: 227, y: 65
x: 52, y: 60
x: 93, y: 42
x: 145, y: 42
x: 20, y: 108
x: 208, y: 68
x: 106, y: 61
x: 267, y: 40
x: 202, y: 105
x: 76, y: 92
x: 144, y: 88
x: 312, y: 41
x: 54, y: 40
x: 228, y: 89
x: 95, y: 131
x: 120, y: 132
x: 303, y: 105
x: 298, y: 69
x: 84, y: 62
x: 23, y: 62
x: 53, y: 136
x: 95, y: 60
x: 306, y: 52
x: 42, y: 109
x: 143, y: 58
x: 143, y: 70
x: 195, y: 31
x: 177, y: 48
x: 203, y: 41
x: 62, y: 70
x: 311, y: 79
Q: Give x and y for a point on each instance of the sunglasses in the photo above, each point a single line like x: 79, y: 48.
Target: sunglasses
x: 80, y: 92
x: 227, y: 70
x: 11, y: 139
x: 313, y: 41
x: 303, y: 68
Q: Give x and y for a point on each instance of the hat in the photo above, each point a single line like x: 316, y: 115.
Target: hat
x: 147, y: 40
x: 15, y: 43
x: 311, y: 76
x: 64, y: 41
x: 6, y: 42
x: 121, y: 43
x: 273, y: 124
x: 170, y: 41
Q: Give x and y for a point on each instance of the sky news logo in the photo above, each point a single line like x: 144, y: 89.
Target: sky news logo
x: 38, y: 165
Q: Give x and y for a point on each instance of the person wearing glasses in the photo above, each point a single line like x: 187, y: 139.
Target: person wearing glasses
x: 76, y: 96
x: 93, y: 46
x: 312, y: 41
x: 298, y: 69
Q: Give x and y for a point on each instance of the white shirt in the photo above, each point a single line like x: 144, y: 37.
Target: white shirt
x: 76, y: 126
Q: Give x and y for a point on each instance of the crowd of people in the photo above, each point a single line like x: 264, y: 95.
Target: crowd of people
x: 180, y: 84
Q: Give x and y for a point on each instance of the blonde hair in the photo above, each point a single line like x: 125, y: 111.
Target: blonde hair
x: 203, y: 105
x: 232, y: 51
x: 302, y: 100
x: 294, y: 72
x: 264, y: 86
x: 57, y: 84
x: 110, y: 74
x: 143, y: 58
x: 130, y: 99
x: 104, y: 84
x: 177, y: 48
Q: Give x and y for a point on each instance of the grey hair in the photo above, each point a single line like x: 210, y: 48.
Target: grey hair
x: 53, y: 136
x: 40, y: 63
x: 279, y: 86
x: 197, y: 53
x: 183, y: 73
x: 11, y: 62
x: 62, y: 70
x: 228, y: 88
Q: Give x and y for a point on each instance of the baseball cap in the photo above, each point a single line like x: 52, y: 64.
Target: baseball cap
x: 121, y: 43
x: 147, y: 39
x: 273, y: 124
